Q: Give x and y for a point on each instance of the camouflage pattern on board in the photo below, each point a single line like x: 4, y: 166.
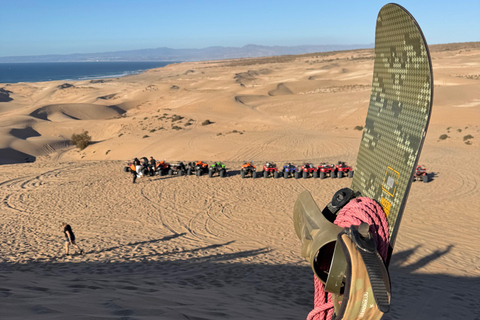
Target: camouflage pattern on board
x: 398, y: 114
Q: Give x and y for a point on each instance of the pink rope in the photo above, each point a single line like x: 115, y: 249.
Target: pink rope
x: 353, y: 213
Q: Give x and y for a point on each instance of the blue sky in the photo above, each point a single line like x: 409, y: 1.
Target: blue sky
x: 83, y: 26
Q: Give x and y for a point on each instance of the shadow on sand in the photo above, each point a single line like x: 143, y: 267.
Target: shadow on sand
x: 213, y: 286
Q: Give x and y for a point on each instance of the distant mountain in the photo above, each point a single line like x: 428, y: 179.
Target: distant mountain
x: 168, y: 54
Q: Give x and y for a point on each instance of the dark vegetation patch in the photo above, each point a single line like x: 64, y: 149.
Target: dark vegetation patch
x: 99, y: 81
x: 359, y: 128
x: 81, y: 140
x: 176, y: 117
x: 467, y: 137
x: 443, y: 137
x: 174, y: 87
x: 65, y: 86
x: 206, y: 122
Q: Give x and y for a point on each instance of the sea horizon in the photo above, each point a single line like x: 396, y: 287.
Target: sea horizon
x: 16, y: 72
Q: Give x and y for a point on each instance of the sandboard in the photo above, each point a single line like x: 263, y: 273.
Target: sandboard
x: 398, y: 114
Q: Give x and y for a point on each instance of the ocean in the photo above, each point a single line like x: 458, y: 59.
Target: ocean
x: 48, y: 71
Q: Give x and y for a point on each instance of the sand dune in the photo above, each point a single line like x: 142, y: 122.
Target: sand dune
x: 76, y: 111
x: 200, y: 248
x: 281, y: 89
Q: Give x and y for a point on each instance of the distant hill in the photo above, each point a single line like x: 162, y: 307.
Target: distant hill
x: 168, y: 54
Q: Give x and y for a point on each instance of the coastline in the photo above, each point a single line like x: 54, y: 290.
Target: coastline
x: 59, y: 71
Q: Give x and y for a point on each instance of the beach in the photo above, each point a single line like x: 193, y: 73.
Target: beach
x: 222, y: 248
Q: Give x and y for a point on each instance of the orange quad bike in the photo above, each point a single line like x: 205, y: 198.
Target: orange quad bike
x: 198, y: 168
x: 248, y: 168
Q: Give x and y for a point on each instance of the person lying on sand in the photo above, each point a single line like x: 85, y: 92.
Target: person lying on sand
x: 69, y: 238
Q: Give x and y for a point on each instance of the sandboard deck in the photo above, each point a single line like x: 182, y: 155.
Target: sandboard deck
x: 398, y: 114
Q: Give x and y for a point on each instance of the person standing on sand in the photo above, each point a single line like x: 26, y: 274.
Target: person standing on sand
x: 135, y: 175
x: 69, y: 238
x: 153, y: 166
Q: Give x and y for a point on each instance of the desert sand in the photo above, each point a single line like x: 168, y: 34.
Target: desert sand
x: 200, y: 248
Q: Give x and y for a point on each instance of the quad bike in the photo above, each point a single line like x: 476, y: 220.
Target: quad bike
x: 219, y: 168
x: 270, y: 168
x: 177, y: 169
x: 308, y: 169
x: 163, y: 168
x: 289, y: 170
x: 326, y: 170
x: 420, y: 174
x: 343, y: 170
x: 198, y: 168
x: 248, y: 168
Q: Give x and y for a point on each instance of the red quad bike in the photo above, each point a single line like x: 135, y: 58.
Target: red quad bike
x: 163, y: 167
x: 420, y: 174
x: 326, y: 170
x: 343, y: 170
x: 270, y: 168
x: 308, y: 169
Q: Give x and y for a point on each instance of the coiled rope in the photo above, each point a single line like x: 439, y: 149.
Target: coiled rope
x: 353, y: 213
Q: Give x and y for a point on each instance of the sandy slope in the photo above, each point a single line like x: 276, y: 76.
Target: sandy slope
x: 199, y: 248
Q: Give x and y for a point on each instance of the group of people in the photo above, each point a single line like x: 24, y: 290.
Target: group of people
x: 144, y: 166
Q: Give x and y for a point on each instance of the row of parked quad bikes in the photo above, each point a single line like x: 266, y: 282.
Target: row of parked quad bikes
x: 248, y: 169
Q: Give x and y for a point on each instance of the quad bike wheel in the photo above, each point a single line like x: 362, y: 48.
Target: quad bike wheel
x: 276, y: 175
x: 223, y: 173
x: 265, y: 173
x: 170, y: 172
x: 210, y: 173
x: 126, y: 169
x: 425, y: 178
x: 285, y: 175
x: 180, y: 172
x: 199, y: 173
x: 322, y: 175
x: 350, y: 174
x: 297, y: 174
x: 254, y: 174
x: 242, y: 173
x: 333, y: 174
x: 340, y: 175
x: 315, y: 174
x: 305, y: 174
x: 189, y: 171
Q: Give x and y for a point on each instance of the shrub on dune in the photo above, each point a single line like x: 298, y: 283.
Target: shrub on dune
x: 81, y: 140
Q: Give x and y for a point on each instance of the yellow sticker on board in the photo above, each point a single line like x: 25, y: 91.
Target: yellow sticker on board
x: 390, y: 181
x: 385, y: 206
